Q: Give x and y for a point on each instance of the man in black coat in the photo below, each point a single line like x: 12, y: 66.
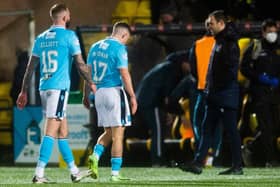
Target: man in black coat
x: 261, y: 65
x: 222, y: 94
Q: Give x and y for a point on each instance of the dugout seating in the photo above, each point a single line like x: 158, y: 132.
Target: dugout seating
x: 179, y: 147
x: 6, y: 125
x: 6, y: 114
x: 137, y: 151
x: 132, y: 12
x: 248, y: 127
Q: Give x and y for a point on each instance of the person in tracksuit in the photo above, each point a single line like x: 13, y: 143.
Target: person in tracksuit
x: 261, y: 65
x: 222, y: 94
x: 199, y: 58
x: 153, y: 94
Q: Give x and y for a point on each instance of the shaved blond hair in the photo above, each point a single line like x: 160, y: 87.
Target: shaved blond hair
x: 120, y: 28
x: 58, y: 11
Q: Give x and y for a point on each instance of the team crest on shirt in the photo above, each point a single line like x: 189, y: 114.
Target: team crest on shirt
x: 50, y: 35
x: 103, y: 45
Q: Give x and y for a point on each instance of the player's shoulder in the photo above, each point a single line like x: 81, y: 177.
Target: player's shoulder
x: 62, y: 32
x: 69, y: 33
x: 115, y: 42
x: 69, y: 36
x: 99, y: 42
x: 53, y: 32
x: 104, y: 44
x: 107, y: 44
x: 117, y: 46
x: 42, y: 34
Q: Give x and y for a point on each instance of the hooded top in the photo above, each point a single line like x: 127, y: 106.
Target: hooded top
x: 223, y: 89
x: 159, y: 81
x: 225, y: 59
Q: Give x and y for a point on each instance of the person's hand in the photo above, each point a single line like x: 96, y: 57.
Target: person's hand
x: 133, y: 104
x: 92, y: 88
x: 274, y: 82
x: 86, y: 101
x: 264, y: 78
x: 21, y: 100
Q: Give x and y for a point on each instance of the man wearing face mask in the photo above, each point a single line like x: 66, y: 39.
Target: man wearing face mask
x: 261, y: 65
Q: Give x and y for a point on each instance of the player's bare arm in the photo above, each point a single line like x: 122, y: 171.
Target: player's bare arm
x: 129, y: 88
x: 22, y: 97
x: 32, y: 64
x: 84, y: 71
x: 86, y: 95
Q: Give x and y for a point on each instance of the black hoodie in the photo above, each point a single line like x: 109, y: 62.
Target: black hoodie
x: 226, y: 58
x: 223, y: 90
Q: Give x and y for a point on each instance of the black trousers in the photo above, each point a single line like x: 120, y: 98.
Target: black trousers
x: 198, y: 119
x: 267, y: 114
x: 228, y: 118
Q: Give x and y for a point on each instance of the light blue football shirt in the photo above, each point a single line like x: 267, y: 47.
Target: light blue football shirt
x: 55, y: 47
x: 106, y: 57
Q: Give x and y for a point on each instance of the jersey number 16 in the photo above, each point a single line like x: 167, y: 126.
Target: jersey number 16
x: 49, y: 61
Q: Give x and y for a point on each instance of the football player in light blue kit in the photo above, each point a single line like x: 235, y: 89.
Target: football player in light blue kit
x: 109, y: 63
x: 54, y: 50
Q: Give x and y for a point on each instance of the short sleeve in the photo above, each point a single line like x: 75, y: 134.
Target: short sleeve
x: 74, y: 44
x: 122, y: 57
x: 35, y: 48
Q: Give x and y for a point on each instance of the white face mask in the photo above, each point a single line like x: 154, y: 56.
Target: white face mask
x: 271, y: 37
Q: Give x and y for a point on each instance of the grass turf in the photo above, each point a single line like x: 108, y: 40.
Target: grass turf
x: 21, y: 176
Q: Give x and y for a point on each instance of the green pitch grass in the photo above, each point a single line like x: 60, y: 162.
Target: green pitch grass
x: 21, y: 176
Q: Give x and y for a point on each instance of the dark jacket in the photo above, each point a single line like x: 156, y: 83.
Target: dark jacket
x: 262, y: 57
x: 223, y: 89
x: 159, y: 82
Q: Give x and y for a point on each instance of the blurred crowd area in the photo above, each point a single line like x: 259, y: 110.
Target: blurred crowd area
x: 145, y: 51
x: 197, y: 10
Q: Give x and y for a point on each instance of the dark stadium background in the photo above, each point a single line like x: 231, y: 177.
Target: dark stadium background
x: 15, y: 32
